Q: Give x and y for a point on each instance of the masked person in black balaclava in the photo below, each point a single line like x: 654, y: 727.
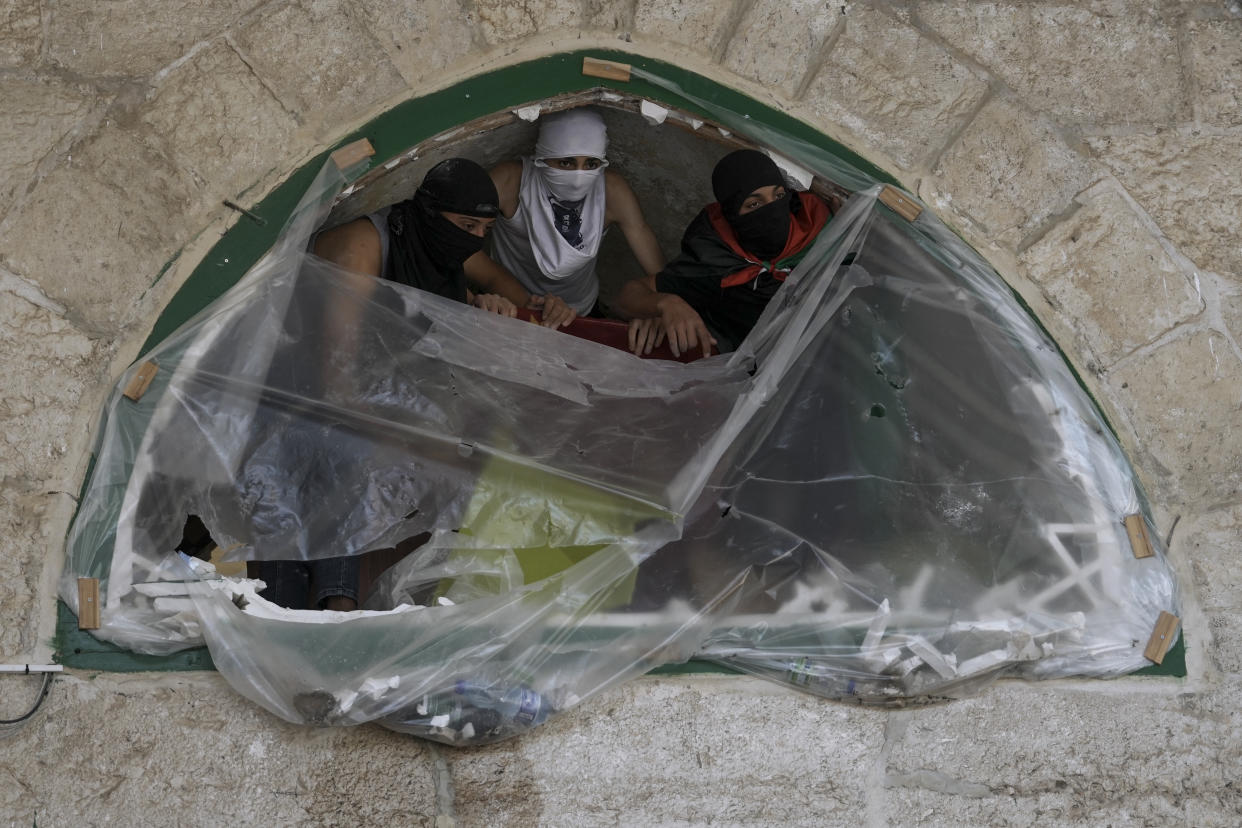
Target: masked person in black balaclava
x: 423, y: 243
x: 734, y: 256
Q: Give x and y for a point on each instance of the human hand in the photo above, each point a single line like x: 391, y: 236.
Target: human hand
x: 552, y: 310
x: 495, y: 303
x: 683, y: 326
x: 645, y: 334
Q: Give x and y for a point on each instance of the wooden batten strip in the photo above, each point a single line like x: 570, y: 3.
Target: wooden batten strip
x: 88, y: 604
x: 1162, y: 637
x: 606, y: 69
x: 900, y: 203
x: 141, y: 380
x: 351, y: 154
x: 1140, y: 541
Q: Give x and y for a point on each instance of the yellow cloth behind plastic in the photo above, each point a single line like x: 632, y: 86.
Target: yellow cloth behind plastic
x: 533, y: 525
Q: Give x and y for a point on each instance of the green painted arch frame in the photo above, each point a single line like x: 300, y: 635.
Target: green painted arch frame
x: 392, y: 133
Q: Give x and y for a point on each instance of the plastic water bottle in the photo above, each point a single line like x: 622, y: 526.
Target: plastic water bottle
x: 472, y: 713
x: 507, y: 709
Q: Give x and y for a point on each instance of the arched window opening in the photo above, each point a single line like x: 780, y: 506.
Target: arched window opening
x: 893, y: 488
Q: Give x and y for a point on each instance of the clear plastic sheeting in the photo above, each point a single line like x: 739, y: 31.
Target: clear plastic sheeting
x: 894, y: 489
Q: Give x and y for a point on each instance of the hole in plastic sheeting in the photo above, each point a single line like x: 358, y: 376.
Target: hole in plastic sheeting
x: 538, y: 517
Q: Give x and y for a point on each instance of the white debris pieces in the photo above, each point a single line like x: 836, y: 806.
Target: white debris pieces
x: 372, y: 688
x: 879, y: 658
x: 795, y: 172
x: 653, y: 114
x: 530, y: 114
x: 945, y: 664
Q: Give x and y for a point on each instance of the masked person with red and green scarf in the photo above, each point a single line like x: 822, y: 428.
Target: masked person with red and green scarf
x: 734, y: 256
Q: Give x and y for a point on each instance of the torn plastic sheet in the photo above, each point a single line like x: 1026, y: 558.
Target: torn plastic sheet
x: 894, y: 488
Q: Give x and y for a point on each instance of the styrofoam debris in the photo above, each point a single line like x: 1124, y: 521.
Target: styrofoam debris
x: 260, y: 607
x: 876, y: 629
x: 904, y: 668
x: 723, y: 132
x: 943, y: 663
x: 174, y: 605
x: 345, y: 700
x: 394, y: 162
x: 161, y: 589
x: 445, y: 602
x: 467, y: 732
x: 376, y: 686
x: 983, y: 663
x: 653, y: 114
x: 611, y: 97
x: 799, y: 174
x: 439, y: 721
x: 530, y: 114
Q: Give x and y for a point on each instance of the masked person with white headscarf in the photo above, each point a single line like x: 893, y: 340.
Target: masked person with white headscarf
x: 555, y: 207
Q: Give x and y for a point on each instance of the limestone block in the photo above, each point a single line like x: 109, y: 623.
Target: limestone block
x: 36, y: 115
x: 97, y: 231
x: 419, y: 39
x: 697, y: 24
x: 1047, y: 755
x: 1191, y: 184
x: 504, y: 20
x: 218, y: 122
x: 1185, y: 400
x: 1009, y: 173
x: 1215, y: 48
x: 133, y: 38
x: 1110, y: 62
x: 609, y: 15
x: 1110, y: 276
x: 1226, y: 646
x: 23, y: 507
x: 894, y: 88
x: 46, y: 366
x: 697, y: 736
x: 21, y: 33
x: 1212, y: 543
x: 1231, y: 311
x: 340, y: 71
x: 778, y: 39
x: 185, y: 749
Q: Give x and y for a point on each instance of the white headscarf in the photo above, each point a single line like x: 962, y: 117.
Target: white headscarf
x: 565, y: 135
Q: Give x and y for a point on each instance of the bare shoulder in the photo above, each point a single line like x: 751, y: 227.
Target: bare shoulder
x: 507, y: 176
x: 354, y: 245
x: 619, y: 198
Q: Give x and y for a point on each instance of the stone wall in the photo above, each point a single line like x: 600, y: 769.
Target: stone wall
x: 1092, y: 151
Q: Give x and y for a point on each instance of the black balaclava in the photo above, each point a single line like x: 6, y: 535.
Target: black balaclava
x: 761, y: 232
x: 428, y: 250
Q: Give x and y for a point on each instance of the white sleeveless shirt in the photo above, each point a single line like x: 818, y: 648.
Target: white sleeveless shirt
x: 530, y: 247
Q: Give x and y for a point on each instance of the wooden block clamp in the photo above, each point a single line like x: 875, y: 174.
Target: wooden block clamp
x: 141, y: 380
x: 900, y: 203
x: 1140, y: 541
x: 606, y: 69
x: 88, y: 603
x: 351, y: 154
x: 1162, y: 637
